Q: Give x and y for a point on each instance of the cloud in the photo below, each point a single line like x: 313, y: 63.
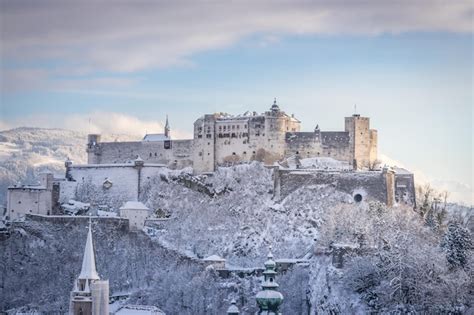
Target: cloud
x: 125, y: 36
x: 96, y: 122
x: 458, y: 192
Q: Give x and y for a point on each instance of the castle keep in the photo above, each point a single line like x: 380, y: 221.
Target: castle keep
x: 220, y: 140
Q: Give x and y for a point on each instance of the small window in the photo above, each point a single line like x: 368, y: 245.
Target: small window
x: 233, y: 153
x: 245, y: 152
x: 167, y: 144
x: 357, y: 197
x: 19, y: 201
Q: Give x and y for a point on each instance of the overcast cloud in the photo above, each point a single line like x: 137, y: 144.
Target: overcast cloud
x: 69, y: 38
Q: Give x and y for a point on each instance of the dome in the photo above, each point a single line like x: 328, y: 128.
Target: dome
x: 275, y: 107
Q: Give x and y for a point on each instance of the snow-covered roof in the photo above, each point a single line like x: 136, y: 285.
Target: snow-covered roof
x: 139, y: 310
x: 214, y: 258
x: 402, y: 171
x: 88, y: 270
x: 133, y: 205
x: 155, y: 137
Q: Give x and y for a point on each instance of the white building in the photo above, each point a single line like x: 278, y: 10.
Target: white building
x: 136, y: 213
x: 216, y: 261
x: 90, y: 295
x: 33, y: 199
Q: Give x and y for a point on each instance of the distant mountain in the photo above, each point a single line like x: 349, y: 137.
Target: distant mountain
x: 26, y: 152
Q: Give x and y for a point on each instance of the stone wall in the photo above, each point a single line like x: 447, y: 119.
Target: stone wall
x: 41, y: 199
x: 173, y: 153
x: 367, y: 185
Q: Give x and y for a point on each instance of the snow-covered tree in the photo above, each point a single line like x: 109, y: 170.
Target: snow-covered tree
x: 457, y: 244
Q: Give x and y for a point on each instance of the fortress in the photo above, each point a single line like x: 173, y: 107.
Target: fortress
x: 118, y: 172
x: 222, y: 140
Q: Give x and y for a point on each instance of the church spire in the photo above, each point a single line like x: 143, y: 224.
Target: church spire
x: 167, y: 128
x: 88, y: 270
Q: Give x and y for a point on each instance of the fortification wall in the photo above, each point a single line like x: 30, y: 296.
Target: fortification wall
x: 110, y: 185
x: 174, y: 153
x: 369, y: 185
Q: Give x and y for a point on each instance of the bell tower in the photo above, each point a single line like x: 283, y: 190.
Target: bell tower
x: 90, y: 295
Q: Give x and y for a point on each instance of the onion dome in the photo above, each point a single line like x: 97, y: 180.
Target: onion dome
x: 275, y: 107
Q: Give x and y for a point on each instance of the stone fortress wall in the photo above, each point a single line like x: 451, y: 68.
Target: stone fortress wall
x: 220, y: 140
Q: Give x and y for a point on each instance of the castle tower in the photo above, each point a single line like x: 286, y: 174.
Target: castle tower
x: 90, y: 295
x: 363, y: 141
x: 269, y: 299
x: 93, y: 149
x: 167, y: 128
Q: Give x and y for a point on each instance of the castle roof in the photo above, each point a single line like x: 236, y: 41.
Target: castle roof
x: 133, y: 205
x: 156, y: 137
x: 89, y: 270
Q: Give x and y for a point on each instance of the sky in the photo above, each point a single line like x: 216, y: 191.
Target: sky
x: 122, y: 66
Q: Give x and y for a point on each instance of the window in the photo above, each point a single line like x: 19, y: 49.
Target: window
x: 150, y: 154
x: 245, y: 152
x: 208, y: 136
x: 19, y: 201
x: 233, y: 153
x: 167, y: 144
x: 156, y: 154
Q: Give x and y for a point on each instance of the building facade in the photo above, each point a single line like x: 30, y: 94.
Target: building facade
x: 34, y: 199
x: 222, y: 139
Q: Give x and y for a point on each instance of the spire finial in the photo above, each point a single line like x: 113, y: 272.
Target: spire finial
x: 274, y: 100
x: 355, y: 109
x: 167, y: 127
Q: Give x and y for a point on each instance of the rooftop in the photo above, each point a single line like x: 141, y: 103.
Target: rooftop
x: 155, y: 137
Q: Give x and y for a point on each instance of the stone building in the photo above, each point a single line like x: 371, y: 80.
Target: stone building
x: 34, y: 199
x: 222, y: 139
x: 90, y: 295
x: 136, y: 213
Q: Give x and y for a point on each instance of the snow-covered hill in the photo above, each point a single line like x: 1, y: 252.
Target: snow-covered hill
x: 25, y: 152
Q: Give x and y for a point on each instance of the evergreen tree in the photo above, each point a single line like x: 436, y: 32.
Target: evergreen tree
x: 457, y: 244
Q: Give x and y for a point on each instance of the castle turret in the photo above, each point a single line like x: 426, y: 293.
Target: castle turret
x: 93, y: 149
x: 90, y: 295
x: 275, y: 107
x: 363, y: 141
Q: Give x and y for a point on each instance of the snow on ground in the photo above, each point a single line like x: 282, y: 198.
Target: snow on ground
x: 242, y: 223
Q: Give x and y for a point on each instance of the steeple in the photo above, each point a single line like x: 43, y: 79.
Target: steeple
x: 167, y: 128
x: 89, y: 270
x: 269, y: 299
x: 90, y: 295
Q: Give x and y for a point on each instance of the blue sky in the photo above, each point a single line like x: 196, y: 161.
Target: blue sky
x: 408, y: 67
